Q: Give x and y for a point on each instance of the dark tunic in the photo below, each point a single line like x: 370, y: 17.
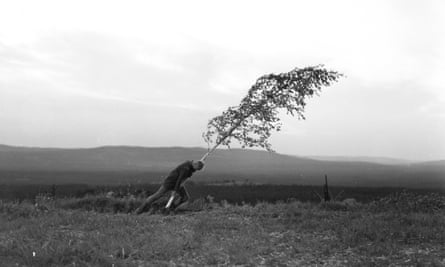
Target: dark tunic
x: 177, y: 176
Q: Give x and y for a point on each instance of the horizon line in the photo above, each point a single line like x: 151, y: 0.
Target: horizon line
x: 336, y: 157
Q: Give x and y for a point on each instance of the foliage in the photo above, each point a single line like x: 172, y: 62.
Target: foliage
x: 406, y: 201
x: 338, y: 206
x: 101, y: 204
x: 14, y: 210
x: 253, y: 120
x: 234, y: 194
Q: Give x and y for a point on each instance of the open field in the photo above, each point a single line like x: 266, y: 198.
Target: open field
x: 61, y: 214
x: 400, y: 229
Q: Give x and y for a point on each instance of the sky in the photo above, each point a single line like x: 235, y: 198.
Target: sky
x: 94, y: 73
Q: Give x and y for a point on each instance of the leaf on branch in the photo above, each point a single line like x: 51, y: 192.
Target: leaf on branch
x: 251, y: 122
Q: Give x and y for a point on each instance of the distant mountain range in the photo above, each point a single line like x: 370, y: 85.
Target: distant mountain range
x: 379, y: 160
x: 112, y: 164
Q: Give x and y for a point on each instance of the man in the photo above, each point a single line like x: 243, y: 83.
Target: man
x: 174, y: 181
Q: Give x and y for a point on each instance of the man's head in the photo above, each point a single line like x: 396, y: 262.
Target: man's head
x: 197, y: 164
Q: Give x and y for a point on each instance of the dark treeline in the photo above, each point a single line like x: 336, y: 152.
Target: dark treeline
x: 232, y: 193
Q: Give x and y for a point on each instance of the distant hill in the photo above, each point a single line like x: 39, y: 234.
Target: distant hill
x: 113, y: 164
x: 379, y: 160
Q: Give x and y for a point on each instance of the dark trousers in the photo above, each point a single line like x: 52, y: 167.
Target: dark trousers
x: 184, y: 196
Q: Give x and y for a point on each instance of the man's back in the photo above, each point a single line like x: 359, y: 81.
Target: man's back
x: 178, y: 175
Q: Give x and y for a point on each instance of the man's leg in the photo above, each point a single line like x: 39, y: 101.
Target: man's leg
x: 184, y: 198
x: 151, y: 199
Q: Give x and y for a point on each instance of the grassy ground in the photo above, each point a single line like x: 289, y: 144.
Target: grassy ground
x: 398, y: 230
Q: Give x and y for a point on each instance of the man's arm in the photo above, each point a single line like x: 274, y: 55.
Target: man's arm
x: 176, y: 189
x: 179, y: 180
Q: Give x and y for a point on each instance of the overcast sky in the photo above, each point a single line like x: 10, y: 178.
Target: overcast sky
x: 93, y: 73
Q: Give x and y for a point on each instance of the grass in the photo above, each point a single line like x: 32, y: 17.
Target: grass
x: 90, y: 232
x: 248, y: 193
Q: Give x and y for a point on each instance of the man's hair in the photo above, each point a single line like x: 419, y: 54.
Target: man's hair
x: 200, y: 164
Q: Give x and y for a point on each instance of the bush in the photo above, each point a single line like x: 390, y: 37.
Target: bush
x: 334, y: 206
x: 409, y: 202
x: 101, y: 204
x: 340, y: 205
x: 14, y: 210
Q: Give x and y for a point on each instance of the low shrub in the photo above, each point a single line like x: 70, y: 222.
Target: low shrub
x: 101, y: 204
x: 409, y: 202
x: 14, y: 210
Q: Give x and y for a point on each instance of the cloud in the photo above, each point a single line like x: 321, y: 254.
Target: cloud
x: 101, y: 67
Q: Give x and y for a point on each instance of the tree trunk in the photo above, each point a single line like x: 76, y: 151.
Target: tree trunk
x: 327, y: 196
x: 224, y: 138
